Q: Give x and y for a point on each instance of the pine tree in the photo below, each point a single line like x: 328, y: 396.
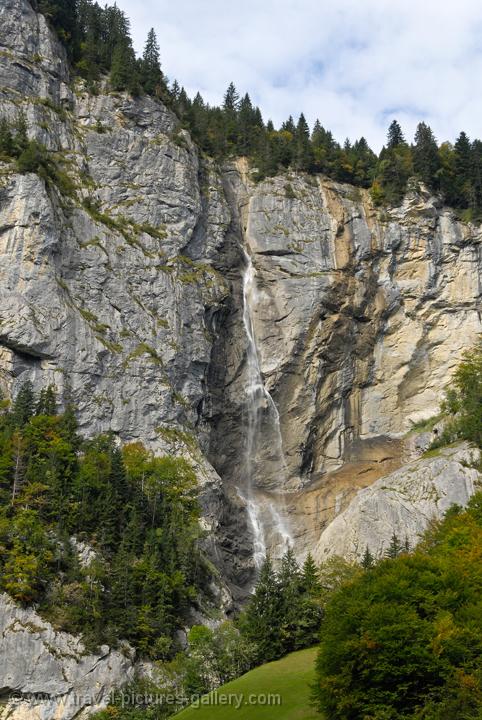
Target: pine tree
x: 367, y: 561
x: 47, y: 402
x: 426, y: 160
x: 289, y: 126
x: 395, y: 548
x: 477, y: 179
x: 289, y: 582
x: 303, y: 155
x: 231, y: 99
x: 310, y: 579
x: 464, y: 187
x: 151, y: 75
x: 263, y: 615
x: 21, y: 140
x: 24, y: 405
x: 7, y: 145
x: 175, y: 90
x: 395, y: 136
x: 248, y: 132
x: 123, y: 74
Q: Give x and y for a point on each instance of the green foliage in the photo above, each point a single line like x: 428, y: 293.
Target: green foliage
x: 404, y: 639
x: 289, y: 600
x: 463, y: 401
x: 62, y: 14
x: 99, y: 42
x: 426, y: 160
x: 138, y: 512
x: 152, y: 79
x: 393, y: 170
x: 124, y: 71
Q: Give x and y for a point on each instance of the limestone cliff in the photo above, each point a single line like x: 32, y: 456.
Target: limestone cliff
x: 46, y: 674
x: 129, y: 294
x: 361, y: 316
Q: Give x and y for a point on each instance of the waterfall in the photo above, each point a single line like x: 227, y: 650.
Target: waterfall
x: 260, y: 410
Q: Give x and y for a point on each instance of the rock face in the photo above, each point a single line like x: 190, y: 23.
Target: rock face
x: 46, y: 674
x: 122, y: 284
x: 361, y: 318
x: 402, y: 503
x: 107, y: 284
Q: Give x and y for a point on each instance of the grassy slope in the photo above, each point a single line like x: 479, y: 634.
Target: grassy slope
x: 289, y: 677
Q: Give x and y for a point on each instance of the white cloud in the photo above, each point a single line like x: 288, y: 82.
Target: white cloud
x: 353, y: 64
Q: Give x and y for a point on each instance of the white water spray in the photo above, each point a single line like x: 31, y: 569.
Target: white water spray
x: 260, y: 407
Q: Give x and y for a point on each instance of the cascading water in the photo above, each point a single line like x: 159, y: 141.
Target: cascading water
x: 262, y: 416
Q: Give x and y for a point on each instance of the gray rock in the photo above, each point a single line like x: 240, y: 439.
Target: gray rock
x: 45, y: 674
x: 402, y: 504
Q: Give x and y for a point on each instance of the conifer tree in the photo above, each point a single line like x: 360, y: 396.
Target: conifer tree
x: 151, y: 75
x: 303, y: 153
x: 231, y: 99
x: 263, y: 614
x: 24, y: 405
x: 289, y: 581
x: 310, y: 579
x: 289, y: 126
x: 367, y: 561
x: 123, y: 74
x: 395, y: 136
x: 426, y: 160
x: 47, y: 402
x: 463, y: 190
x: 395, y: 548
x: 7, y: 145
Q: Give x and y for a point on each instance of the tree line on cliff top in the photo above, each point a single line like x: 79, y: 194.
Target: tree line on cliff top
x: 99, y: 44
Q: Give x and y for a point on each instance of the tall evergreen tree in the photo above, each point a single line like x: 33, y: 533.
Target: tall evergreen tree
x: 47, y: 402
x: 464, y: 187
x: 395, y: 547
x: 123, y: 74
x: 151, y: 75
x: 395, y: 135
x: 426, y: 160
x: 231, y: 99
x: 303, y: 152
x: 264, y: 613
x: 310, y: 578
x: 24, y: 405
x: 367, y: 561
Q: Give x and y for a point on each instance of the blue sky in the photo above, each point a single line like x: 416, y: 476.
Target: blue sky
x: 354, y: 64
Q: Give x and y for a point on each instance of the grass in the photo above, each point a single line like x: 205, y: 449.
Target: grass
x: 289, y: 678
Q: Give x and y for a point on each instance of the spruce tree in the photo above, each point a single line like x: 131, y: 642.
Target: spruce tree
x: 463, y: 190
x: 426, y: 160
x: 231, y: 99
x: 7, y: 145
x: 289, y: 126
x: 303, y: 154
x: 47, y: 402
x: 395, y: 548
x: 151, y: 75
x: 24, y: 405
x: 289, y: 581
x: 395, y: 135
x: 310, y: 578
x: 367, y: 561
x: 262, y: 617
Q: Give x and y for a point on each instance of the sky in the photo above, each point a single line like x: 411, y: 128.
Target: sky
x: 354, y: 64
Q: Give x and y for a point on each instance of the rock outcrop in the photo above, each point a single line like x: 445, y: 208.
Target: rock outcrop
x: 402, y: 504
x: 46, y: 674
